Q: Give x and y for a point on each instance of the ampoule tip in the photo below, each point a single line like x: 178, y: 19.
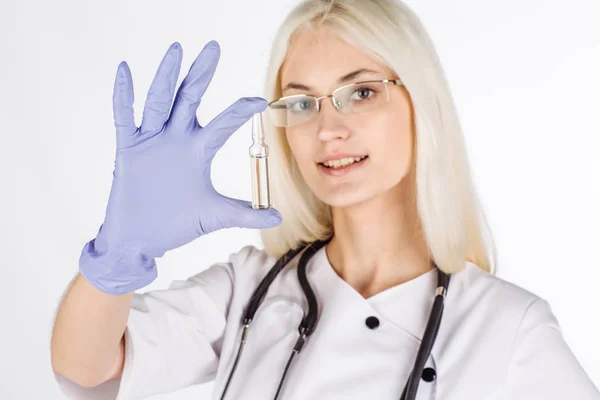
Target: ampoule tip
x: 258, y: 130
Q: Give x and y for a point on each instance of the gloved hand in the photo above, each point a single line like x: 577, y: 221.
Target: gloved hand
x: 162, y: 196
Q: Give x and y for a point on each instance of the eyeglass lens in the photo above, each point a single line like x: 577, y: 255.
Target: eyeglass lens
x: 295, y: 110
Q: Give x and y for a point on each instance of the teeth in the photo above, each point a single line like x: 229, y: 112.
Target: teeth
x: 342, y: 162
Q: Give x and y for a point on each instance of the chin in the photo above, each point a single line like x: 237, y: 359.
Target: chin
x: 335, y: 197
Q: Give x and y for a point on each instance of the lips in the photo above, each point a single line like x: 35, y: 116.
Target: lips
x: 335, y: 162
x: 341, y: 171
x: 339, y: 156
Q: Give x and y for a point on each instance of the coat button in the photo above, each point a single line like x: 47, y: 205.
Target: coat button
x: 372, y: 322
x: 428, y: 374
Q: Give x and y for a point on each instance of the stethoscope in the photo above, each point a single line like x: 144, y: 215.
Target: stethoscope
x: 309, y: 322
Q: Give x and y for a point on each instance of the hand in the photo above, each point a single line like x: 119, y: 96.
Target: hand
x: 162, y: 196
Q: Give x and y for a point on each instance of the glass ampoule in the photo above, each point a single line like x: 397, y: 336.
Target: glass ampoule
x: 259, y: 161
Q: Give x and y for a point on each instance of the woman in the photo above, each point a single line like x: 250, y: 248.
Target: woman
x: 375, y: 172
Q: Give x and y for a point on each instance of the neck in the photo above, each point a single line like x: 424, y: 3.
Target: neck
x: 378, y: 244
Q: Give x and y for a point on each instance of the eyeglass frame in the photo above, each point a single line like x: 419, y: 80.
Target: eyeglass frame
x: 332, y: 94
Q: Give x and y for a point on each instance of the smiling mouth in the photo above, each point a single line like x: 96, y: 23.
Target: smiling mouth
x: 344, y: 162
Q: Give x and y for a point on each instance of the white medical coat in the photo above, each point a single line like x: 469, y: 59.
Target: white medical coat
x: 496, y: 340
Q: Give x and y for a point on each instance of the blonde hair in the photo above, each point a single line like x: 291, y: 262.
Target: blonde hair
x: 451, y: 216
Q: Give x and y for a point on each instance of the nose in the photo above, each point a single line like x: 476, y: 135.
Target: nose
x: 331, y: 122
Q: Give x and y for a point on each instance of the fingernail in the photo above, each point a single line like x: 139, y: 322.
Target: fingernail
x: 259, y: 100
x: 274, y: 219
x: 121, y: 69
x: 212, y: 45
x: 174, y: 51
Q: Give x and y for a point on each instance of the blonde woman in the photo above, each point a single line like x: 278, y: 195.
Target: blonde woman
x: 379, y: 262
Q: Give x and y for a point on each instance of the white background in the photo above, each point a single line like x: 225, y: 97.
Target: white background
x: 525, y: 75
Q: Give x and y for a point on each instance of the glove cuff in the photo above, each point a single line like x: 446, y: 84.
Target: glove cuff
x: 114, y: 272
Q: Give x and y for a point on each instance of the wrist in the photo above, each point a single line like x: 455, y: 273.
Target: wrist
x: 115, y: 271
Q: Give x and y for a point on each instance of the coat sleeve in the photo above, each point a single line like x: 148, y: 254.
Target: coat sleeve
x: 173, y: 336
x: 542, y: 365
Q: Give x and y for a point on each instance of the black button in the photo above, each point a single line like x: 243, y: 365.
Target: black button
x: 428, y: 374
x: 372, y: 322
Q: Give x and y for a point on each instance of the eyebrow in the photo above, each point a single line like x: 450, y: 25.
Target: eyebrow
x: 343, y: 79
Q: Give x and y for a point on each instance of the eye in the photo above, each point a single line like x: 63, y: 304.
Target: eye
x: 301, y: 105
x: 363, y: 93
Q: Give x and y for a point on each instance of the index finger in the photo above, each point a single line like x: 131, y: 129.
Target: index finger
x: 216, y: 133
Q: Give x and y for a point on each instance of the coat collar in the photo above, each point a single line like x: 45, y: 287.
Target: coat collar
x: 406, y: 306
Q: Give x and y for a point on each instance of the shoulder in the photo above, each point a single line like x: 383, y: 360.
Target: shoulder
x: 473, y: 288
x: 242, y: 267
x: 248, y: 259
x: 249, y: 265
x: 250, y: 255
x: 509, y: 340
x: 481, y: 302
x: 491, y: 315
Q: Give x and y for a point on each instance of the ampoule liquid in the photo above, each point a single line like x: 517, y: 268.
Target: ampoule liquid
x: 261, y: 193
x: 259, y: 161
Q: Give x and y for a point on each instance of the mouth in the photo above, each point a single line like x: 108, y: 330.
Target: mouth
x: 342, y: 166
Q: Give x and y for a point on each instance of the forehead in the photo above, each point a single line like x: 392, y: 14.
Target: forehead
x: 318, y: 58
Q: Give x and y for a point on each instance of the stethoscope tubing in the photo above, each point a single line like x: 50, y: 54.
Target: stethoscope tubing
x: 308, y: 323
x: 431, y: 331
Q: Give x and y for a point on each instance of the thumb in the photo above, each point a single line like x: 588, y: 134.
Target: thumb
x: 241, y: 214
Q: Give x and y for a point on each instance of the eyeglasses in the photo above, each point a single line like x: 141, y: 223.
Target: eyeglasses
x: 353, y: 98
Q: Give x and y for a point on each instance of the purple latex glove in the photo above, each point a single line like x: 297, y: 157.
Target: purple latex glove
x: 162, y: 196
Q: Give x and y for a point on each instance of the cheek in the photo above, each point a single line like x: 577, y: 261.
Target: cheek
x: 394, y: 142
x: 300, y: 147
x: 391, y: 148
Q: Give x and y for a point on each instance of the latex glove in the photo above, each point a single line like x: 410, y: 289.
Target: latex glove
x: 162, y: 196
